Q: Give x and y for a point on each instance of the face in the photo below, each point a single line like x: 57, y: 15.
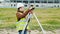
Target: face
x: 21, y: 9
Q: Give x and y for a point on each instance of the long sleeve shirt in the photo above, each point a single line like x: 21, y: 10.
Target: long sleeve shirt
x: 22, y: 15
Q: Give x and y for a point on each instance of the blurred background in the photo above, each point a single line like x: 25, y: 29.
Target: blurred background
x: 47, y: 11
x: 36, y: 3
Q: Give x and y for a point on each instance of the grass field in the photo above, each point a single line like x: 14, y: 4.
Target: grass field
x: 49, y: 18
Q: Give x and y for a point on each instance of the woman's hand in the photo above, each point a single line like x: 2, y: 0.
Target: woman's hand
x: 32, y: 7
x: 30, y: 12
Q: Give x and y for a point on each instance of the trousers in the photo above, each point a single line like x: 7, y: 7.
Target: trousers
x: 25, y: 32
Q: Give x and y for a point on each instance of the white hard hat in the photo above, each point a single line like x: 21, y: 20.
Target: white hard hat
x: 20, y: 5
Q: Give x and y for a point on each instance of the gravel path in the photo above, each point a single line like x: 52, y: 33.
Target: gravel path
x: 13, y: 31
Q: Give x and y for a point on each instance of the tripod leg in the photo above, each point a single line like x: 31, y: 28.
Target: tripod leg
x: 39, y: 24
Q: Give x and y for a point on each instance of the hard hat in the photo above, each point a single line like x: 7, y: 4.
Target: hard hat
x: 20, y: 5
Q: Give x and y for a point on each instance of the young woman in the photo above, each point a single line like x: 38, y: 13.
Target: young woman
x: 21, y: 17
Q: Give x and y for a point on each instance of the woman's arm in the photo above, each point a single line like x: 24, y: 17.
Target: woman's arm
x: 22, y: 15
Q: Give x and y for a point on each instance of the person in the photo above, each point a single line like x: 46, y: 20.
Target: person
x: 21, y: 17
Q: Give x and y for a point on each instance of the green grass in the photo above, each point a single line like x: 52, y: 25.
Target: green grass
x: 49, y: 18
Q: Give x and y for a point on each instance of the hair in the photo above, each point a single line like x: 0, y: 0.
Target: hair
x: 19, y: 10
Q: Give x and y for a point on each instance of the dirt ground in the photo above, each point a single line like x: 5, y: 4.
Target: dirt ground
x: 13, y: 31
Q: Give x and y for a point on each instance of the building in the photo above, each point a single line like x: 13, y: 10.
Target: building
x: 36, y: 3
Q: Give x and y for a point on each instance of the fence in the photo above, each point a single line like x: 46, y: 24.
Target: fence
x: 37, y: 4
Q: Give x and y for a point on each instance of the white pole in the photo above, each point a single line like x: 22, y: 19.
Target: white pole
x: 26, y: 23
x: 39, y: 24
